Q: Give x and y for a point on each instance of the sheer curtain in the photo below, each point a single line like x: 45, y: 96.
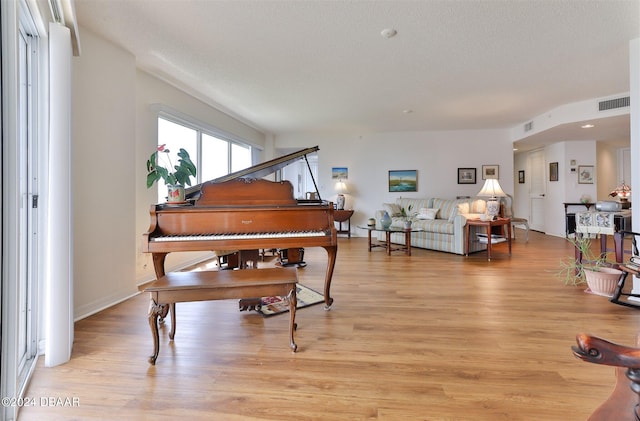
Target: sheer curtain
x: 59, y: 203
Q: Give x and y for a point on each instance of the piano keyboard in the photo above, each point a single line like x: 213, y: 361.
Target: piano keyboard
x: 247, y: 236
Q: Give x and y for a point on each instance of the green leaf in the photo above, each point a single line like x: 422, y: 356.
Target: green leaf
x: 152, y: 177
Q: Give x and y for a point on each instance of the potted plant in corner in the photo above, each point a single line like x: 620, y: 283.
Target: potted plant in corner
x: 174, y: 176
x: 589, y: 267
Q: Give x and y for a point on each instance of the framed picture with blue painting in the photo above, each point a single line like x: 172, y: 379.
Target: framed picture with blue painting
x: 403, y: 180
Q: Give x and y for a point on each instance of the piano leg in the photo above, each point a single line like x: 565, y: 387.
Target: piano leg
x: 158, y: 266
x: 332, y: 252
x: 293, y: 303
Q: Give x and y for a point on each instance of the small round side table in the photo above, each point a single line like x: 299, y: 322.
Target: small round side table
x: 343, y: 215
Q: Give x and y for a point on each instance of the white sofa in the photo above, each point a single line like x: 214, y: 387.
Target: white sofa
x: 443, y: 223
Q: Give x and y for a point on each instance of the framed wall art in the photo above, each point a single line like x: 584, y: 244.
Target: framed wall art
x: 466, y: 176
x: 339, y: 173
x: 403, y: 180
x: 490, y: 171
x: 585, y: 174
x: 553, y: 171
x: 521, y: 176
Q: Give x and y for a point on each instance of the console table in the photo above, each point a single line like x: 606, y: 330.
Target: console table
x: 498, y: 222
x: 343, y: 215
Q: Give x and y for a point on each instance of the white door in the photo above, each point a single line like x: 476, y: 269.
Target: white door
x: 537, y: 190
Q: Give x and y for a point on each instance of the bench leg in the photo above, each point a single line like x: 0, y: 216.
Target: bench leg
x: 293, y: 303
x: 172, y: 309
x: 155, y: 312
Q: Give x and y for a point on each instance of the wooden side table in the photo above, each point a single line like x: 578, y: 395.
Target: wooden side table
x: 488, y: 224
x: 343, y: 215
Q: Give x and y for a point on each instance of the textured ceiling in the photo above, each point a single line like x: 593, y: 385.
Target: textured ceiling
x: 289, y: 66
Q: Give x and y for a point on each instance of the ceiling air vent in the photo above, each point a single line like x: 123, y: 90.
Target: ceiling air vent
x: 611, y: 104
x: 528, y: 126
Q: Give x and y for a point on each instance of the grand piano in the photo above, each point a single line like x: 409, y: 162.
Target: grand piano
x: 243, y: 211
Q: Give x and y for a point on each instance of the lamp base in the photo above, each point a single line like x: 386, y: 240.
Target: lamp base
x: 493, y: 208
x: 340, y: 202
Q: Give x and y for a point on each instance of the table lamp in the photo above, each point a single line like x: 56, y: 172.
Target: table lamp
x: 341, y: 188
x: 492, y: 190
x: 622, y: 192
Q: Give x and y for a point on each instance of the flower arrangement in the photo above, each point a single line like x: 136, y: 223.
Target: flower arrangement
x: 183, y: 170
x: 406, y: 213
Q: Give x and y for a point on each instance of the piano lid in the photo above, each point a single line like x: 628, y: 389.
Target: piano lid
x: 255, y: 171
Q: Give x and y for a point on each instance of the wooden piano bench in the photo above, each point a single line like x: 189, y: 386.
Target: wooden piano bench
x: 179, y: 287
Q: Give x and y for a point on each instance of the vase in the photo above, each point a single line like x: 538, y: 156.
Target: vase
x: 407, y: 224
x: 603, y: 281
x: 175, y: 193
x: 385, y: 221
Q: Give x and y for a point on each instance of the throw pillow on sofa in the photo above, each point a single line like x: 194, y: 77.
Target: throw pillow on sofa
x: 427, y: 213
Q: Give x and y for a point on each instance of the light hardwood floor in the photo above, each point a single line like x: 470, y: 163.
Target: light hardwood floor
x: 432, y: 336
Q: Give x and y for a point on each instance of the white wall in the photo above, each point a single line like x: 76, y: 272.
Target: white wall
x: 609, y: 170
x: 104, y: 123
x: 114, y: 132
x: 521, y: 191
x: 436, y: 155
x: 584, y: 153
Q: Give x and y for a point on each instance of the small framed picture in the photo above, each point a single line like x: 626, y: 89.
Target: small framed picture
x: 466, y: 176
x: 403, y: 181
x: 490, y: 171
x: 521, y: 176
x: 585, y: 174
x: 339, y: 173
x: 553, y: 171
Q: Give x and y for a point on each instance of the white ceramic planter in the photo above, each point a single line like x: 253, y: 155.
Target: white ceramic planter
x: 602, y: 282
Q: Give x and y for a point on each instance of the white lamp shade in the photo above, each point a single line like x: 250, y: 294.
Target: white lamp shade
x: 341, y: 187
x: 491, y: 189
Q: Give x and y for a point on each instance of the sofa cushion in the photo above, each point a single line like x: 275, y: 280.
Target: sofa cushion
x: 448, y: 208
x: 463, y: 208
x: 393, y: 209
x: 440, y: 226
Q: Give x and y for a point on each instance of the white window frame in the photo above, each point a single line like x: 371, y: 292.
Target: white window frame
x: 201, y: 128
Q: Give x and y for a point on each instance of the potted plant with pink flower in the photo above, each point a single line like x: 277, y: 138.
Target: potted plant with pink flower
x: 159, y: 166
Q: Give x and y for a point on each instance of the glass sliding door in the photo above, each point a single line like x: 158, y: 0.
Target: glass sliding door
x: 20, y: 151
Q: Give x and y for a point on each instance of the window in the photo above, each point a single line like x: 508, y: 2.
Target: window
x: 213, y: 155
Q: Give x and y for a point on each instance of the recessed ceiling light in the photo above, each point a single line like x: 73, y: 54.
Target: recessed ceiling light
x: 389, y: 33
x: 407, y: 111
x: 587, y: 126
